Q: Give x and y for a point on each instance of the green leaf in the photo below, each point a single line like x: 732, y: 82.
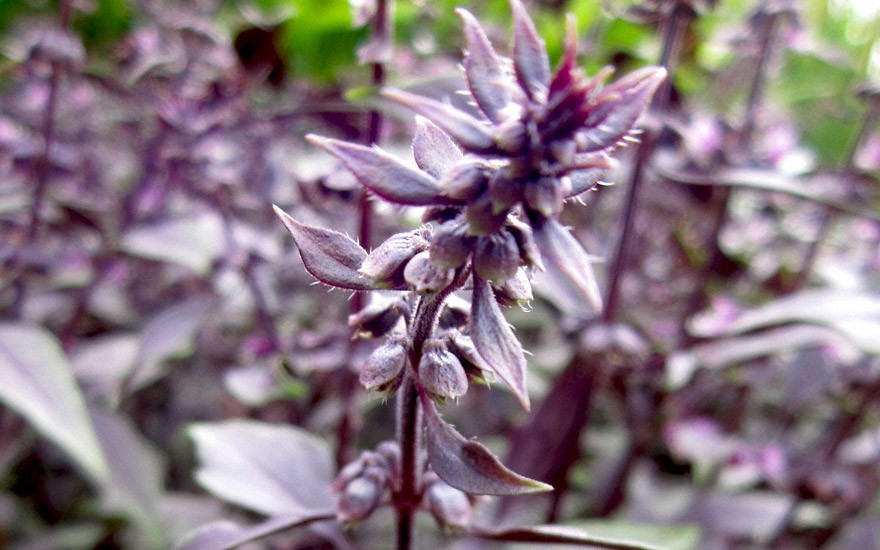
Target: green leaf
x: 38, y: 383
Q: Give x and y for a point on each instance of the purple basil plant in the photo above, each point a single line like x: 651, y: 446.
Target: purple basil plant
x: 492, y: 184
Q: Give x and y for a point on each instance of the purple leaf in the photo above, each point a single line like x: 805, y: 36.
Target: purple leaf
x: 723, y: 352
x: 619, y: 106
x: 469, y: 132
x: 329, y: 256
x: 489, y: 83
x: 167, y: 334
x: 189, y: 241
x: 468, y: 465
x: 495, y: 341
x: 565, y: 75
x: 556, y: 534
x: 756, y: 515
x: 225, y: 534
x: 37, y: 382
x: 530, y: 61
x: 134, y: 485
x: 815, y: 305
x: 434, y: 151
x: 584, y: 180
x: 819, y: 188
x: 561, y: 251
x: 266, y: 468
x: 383, y: 174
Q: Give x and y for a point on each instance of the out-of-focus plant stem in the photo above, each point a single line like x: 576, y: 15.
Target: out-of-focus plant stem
x: 380, y: 24
x: 44, y: 163
x: 697, y: 301
x: 676, y: 24
x: 828, y: 216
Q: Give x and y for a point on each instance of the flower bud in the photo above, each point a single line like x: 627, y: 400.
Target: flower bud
x: 424, y: 276
x: 349, y: 472
x: 564, y: 150
x: 544, y: 196
x: 451, y: 245
x: 385, y: 264
x: 505, y: 192
x: 359, y: 498
x: 514, y: 290
x: 455, y: 314
x: 525, y: 239
x: 383, y: 368
x: 496, y: 258
x: 450, y: 507
x: 482, y: 218
x: 390, y: 451
x: 511, y: 135
x: 466, y: 180
x: 441, y: 372
x: 378, y: 318
x: 474, y: 365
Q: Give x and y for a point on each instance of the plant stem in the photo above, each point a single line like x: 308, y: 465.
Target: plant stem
x: 380, y: 25
x: 722, y: 198
x: 677, y: 23
x: 409, y: 412
x: 43, y: 165
x: 828, y: 216
x: 409, y: 421
x: 44, y: 162
x: 349, y: 383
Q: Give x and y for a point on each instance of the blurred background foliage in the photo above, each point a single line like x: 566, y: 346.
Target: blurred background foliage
x: 831, y: 51
x: 214, y: 142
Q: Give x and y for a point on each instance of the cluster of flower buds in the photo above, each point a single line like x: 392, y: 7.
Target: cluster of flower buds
x: 448, y: 362
x: 495, y: 184
x: 451, y: 508
x: 363, y: 485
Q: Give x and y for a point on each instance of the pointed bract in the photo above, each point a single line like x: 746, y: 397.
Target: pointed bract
x: 619, y: 107
x: 495, y: 341
x: 530, y: 61
x: 561, y: 250
x: 564, y: 76
x: 487, y: 79
x: 382, y: 173
x: 329, y: 256
x: 433, y: 150
x: 467, y: 131
x: 468, y: 465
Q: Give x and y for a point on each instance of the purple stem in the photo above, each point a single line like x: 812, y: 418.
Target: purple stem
x: 409, y: 413
x: 828, y: 216
x: 349, y: 383
x: 677, y: 22
x: 721, y: 201
x: 43, y: 164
